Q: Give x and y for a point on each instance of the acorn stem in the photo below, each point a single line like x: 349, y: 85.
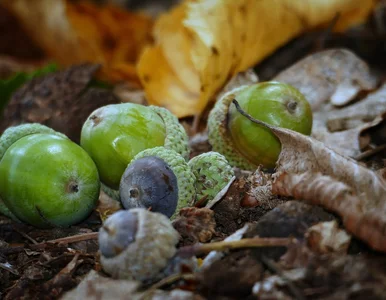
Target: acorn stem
x: 255, y: 242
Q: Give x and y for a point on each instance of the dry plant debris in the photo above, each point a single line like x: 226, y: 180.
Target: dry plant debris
x: 313, y: 228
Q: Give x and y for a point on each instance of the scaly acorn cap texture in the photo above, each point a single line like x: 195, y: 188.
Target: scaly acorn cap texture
x: 148, y: 253
x: 218, y: 134
x: 113, y: 194
x: 12, y: 135
x: 185, y: 177
x: 176, y: 139
x: 212, y: 172
x: 176, y: 136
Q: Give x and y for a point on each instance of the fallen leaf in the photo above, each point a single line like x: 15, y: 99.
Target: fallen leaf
x: 10, y: 85
x: 200, y: 45
x: 308, y: 170
x: 61, y: 100
x: 352, y: 142
x: 358, y: 113
x: 335, y: 76
x: 79, y: 32
x: 95, y: 286
x: 327, y: 237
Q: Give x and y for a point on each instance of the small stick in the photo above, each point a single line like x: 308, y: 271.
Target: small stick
x: 41, y: 246
x: 23, y: 234
x: 370, y: 152
x: 255, y: 242
x: 166, y: 281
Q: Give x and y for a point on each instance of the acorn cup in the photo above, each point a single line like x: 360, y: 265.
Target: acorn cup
x: 245, y: 144
x: 47, y: 180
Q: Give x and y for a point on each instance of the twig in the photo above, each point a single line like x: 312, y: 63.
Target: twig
x: 166, y: 281
x: 41, y: 246
x: 255, y: 242
x: 25, y: 235
x: 370, y: 152
x: 196, y: 123
x: 274, y: 268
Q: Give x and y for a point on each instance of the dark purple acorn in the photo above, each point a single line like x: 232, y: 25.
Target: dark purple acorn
x: 149, y: 183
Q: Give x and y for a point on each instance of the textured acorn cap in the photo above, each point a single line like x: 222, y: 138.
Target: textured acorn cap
x: 218, y: 134
x: 176, y: 136
x: 14, y: 133
x: 148, y: 254
x: 113, y: 194
x: 212, y: 172
x: 185, y: 177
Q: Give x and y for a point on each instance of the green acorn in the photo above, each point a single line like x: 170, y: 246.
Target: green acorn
x: 47, y: 180
x: 245, y: 144
x: 212, y: 172
x: 158, y: 179
x: 114, y: 134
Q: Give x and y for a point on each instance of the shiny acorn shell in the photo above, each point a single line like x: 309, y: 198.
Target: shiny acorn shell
x: 185, y: 177
x: 47, y: 180
x: 10, y: 136
x: 139, y: 253
x: 150, y: 183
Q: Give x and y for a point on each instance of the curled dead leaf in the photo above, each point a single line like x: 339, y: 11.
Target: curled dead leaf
x: 308, y: 170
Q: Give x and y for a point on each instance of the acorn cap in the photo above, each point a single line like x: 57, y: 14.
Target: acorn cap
x: 212, y: 172
x: 137, y: 244
x: 185, y: 177
x: 176, y: 137
x: 14, y: 133
x: 218, y: 134
x: 113, y: 194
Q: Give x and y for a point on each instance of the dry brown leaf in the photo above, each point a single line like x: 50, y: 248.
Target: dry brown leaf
x: 362, y: 215
x: 351, y: 142
x: 308, y: 170
x: 326, y: 237
x: 336, y: 75
x: 358, y: 113
x: 95, y: 286
x: 73, y: 33
x: 202, y: 44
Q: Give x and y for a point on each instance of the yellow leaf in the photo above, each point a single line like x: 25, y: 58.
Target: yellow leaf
x: 76, y: 32
x: 200, y: 45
